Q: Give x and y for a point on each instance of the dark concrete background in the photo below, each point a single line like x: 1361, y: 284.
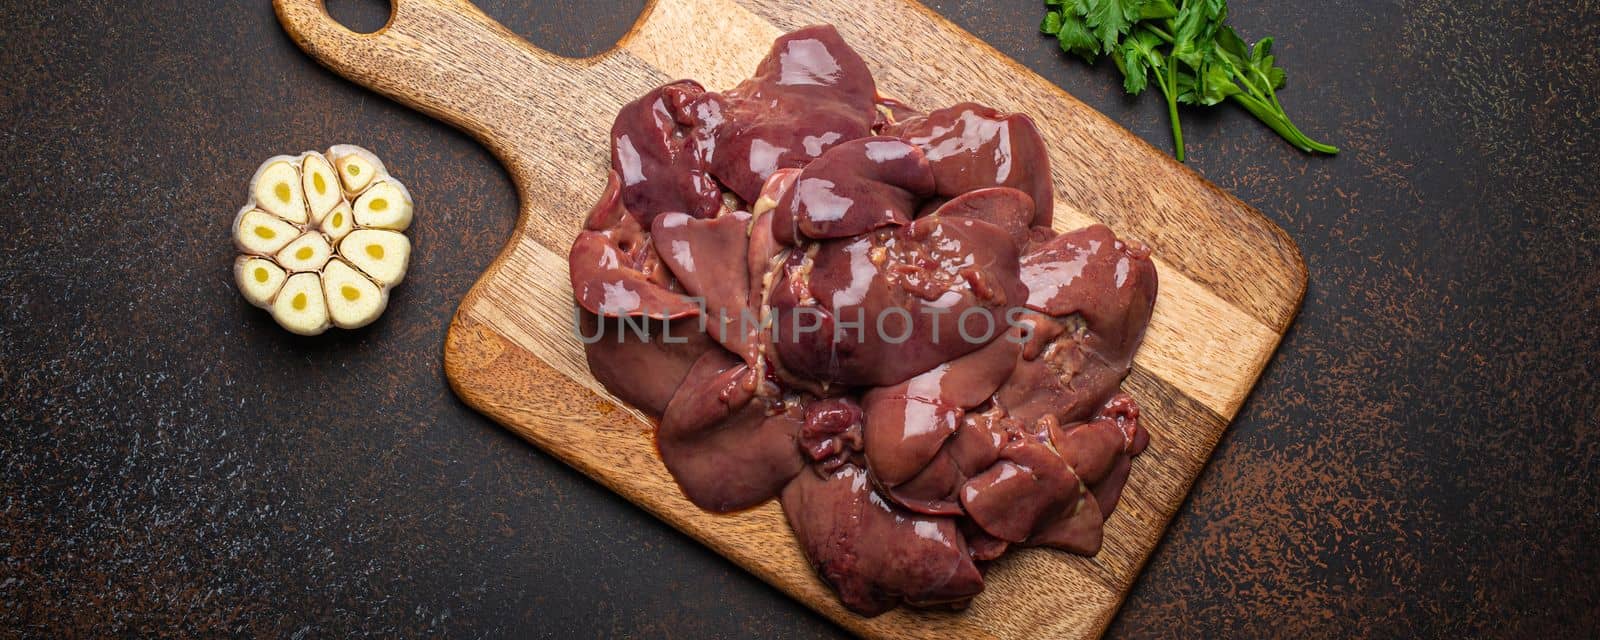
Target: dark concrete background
x: 1419, y: 460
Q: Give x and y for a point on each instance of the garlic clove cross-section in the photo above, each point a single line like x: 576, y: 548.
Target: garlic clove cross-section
x: 381, y: 254
x: 277, y: 190
x: 309, y: 252
x: 385, y: 205
x: 259, y: 279
x: 338, y: 222
x: 321, y: 185
x: 353, y: 300
x: 320, y: 239
x: 300, y: 307
x: 259, y: 232
x: 356, y: 171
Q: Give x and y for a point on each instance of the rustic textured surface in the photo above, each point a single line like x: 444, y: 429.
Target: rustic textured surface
x: 1419, y: 460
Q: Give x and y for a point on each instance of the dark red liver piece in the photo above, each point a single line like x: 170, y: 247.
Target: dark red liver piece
x: 876, y: 555
x: 618, y: 349
x: 708, y: 258
x: 729, y: 445
x: 658, y: 160
x: 971, y: 146
x: 854, y: 188
x: 810, y: 93
x: 615, y: 269
x: 1003, y: 207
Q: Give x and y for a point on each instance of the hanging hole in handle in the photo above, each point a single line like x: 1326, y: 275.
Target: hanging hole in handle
x: 361, y: 16
x: 567, y: 29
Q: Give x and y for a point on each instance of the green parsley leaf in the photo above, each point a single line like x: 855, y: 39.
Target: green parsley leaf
x: 1111, y: 19
x: 1262, y: 61
x: 1051, y: 23
x: 1074, y: 36
x: 1156, y: 9
x: 1136, y: 58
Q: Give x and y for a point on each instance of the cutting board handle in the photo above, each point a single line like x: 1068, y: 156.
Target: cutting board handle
x: 444, y: 58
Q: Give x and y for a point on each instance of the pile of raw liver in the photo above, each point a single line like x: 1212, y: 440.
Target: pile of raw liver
x: 830, y: 298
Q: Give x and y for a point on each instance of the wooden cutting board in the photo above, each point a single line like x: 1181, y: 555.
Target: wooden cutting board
x: 1231, y: 281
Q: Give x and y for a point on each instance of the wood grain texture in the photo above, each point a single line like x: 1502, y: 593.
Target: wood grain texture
x: 1230, y: 280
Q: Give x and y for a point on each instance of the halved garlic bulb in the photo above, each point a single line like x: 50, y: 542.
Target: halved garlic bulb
x: 320, y: 239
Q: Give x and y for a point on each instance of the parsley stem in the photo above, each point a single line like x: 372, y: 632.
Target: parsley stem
x: 1279, y: 122
x: 1266, y: 85
x: 1169, y: 90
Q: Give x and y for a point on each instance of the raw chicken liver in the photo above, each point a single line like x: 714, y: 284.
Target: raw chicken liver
x: 827, y: 297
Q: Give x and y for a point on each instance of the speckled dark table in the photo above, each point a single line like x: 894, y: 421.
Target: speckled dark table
x: 1420, y: 458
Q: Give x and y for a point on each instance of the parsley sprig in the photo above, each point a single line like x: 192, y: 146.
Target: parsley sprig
x: 1182, y: 47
